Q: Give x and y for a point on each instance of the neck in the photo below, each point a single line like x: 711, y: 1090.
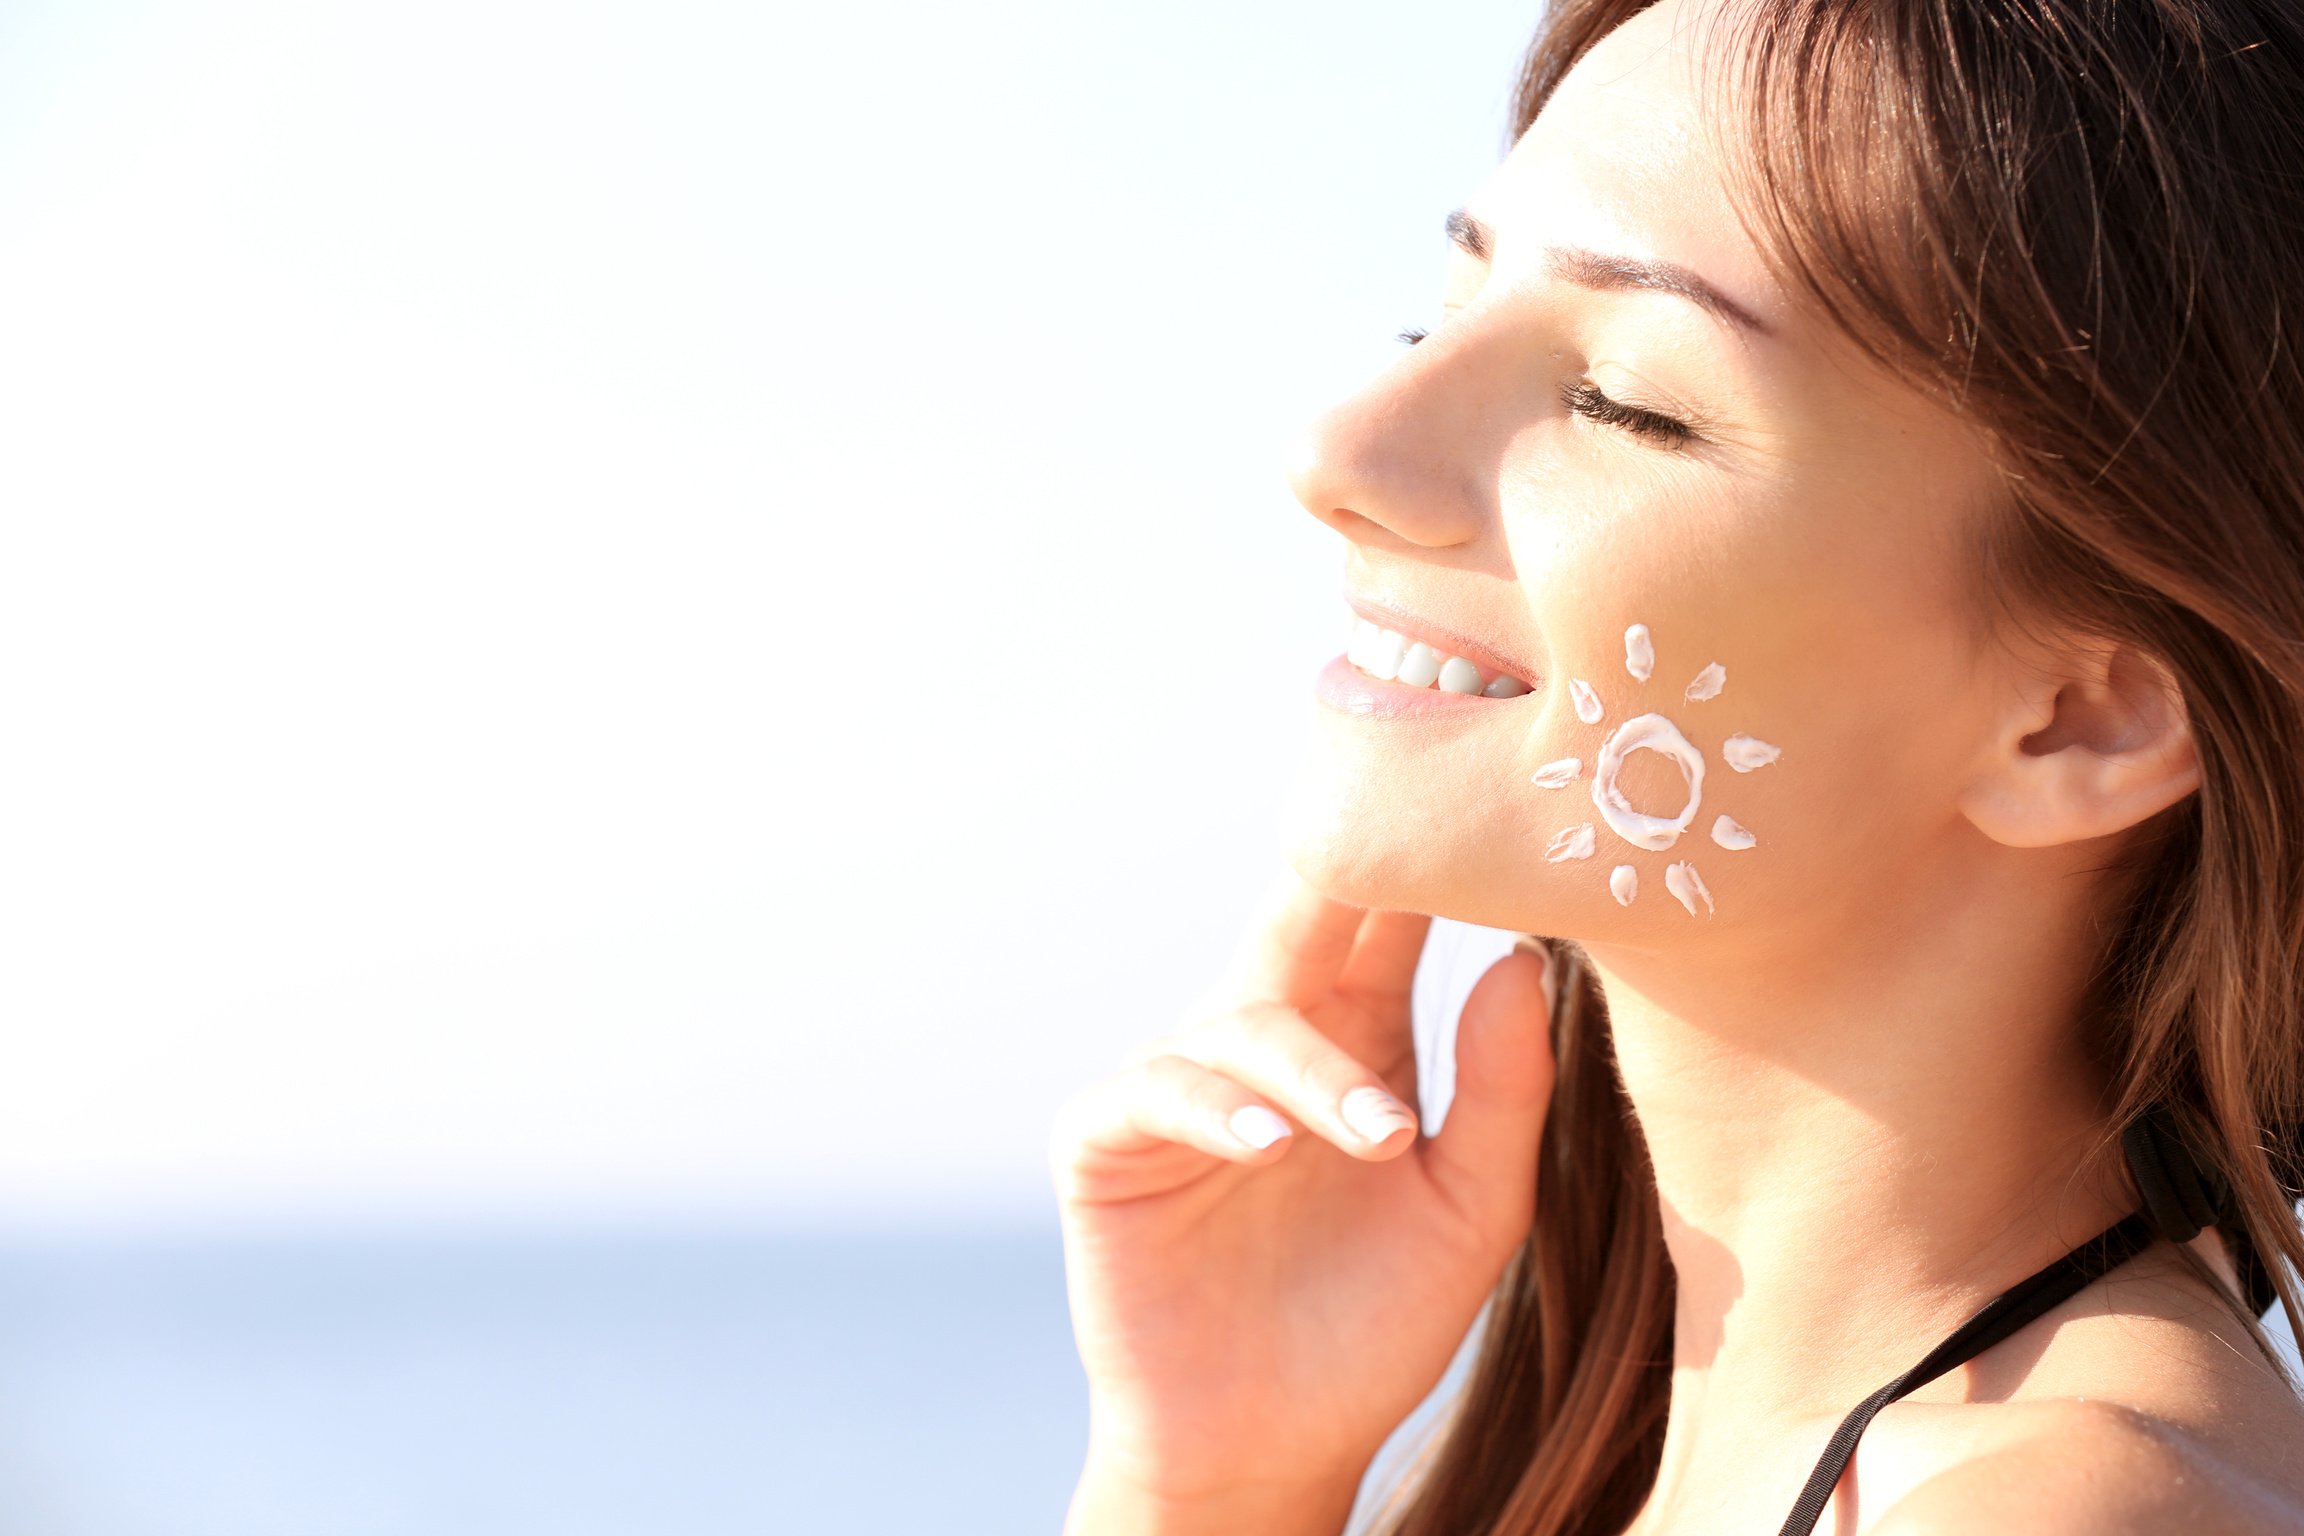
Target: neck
x: 1857, y: 1145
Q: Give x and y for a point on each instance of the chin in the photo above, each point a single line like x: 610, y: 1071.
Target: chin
x: 1337, y: 837
x: 1363, y: 840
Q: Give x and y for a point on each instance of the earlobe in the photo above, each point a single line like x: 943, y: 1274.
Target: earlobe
x: 2089, y: 749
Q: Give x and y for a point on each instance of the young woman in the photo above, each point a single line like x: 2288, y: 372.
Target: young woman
x: 1838, y: 561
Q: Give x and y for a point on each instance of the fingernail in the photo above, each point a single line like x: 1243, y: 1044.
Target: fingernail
x: 1257, y: 1126
x: 1550, y: 984
x: 1375, y: 1114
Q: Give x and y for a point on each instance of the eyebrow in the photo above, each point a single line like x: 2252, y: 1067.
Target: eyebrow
x: 1614, y: 274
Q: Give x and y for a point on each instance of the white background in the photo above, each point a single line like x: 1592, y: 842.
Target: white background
x: 689, y: 607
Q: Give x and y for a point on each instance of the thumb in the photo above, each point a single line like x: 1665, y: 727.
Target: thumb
x: 1484, y: 1158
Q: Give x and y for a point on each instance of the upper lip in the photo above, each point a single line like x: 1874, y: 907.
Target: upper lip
x: 1440, y: 638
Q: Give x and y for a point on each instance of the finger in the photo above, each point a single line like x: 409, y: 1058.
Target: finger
x: 1279, y: 1054
x: 1374, y: 1014
x: 1382, y: 965
x: 1484, y: 1158
x: 1158, y: 1107
x: 1297, y: 943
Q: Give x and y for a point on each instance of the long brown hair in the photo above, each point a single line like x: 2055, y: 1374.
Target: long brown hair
x: 2080, y: 223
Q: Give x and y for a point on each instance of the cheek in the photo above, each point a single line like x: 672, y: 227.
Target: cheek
x: 1822, y: 708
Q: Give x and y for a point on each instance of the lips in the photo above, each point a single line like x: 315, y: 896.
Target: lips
x: 1391, y: 648
x: 1398, y: 667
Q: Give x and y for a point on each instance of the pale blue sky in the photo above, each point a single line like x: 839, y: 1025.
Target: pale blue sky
x: 671, y: 607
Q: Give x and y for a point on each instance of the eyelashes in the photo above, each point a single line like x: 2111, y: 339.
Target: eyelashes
x: 1583, y: 398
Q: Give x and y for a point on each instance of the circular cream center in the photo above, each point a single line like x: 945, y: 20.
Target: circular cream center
x: 1646, y: 733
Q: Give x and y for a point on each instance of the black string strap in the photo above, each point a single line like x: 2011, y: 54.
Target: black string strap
x: 2001, y: 1316
x: 2181, y: 1196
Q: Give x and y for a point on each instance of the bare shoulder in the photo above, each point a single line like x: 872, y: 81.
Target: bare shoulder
x: 2090, y: 1468
x: 2143, y: 1404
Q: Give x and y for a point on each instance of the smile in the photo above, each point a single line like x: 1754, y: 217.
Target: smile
x: 1390, y: 656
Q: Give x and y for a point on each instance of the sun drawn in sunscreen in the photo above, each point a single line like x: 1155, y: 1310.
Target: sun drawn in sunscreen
x: 1652, y: 733
x: 1647, y: 830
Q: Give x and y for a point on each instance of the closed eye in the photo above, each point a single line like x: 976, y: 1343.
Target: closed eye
x: 1583, y: 397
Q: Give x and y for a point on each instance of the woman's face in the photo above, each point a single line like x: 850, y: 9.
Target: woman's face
x: 1620, y: 420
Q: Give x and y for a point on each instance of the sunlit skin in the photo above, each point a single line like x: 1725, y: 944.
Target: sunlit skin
x: 1860, y: 1078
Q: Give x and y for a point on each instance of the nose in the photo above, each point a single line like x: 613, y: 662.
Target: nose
x: 1402, y: 464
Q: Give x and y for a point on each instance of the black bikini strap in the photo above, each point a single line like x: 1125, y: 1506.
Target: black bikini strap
x: 2027, y: 1299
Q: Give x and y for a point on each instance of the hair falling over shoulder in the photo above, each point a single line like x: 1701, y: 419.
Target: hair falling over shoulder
x: 2094, y: 249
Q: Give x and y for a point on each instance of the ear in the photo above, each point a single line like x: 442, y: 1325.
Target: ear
x: 2088, y: 747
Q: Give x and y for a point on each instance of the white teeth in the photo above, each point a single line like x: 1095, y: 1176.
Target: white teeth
x: 1623, y: 884
x: 1459, y: 676
x: 1420, y: 667
x: 1394, y: 657
x: 1558, y: 775
x: 1707, y: 684
x: 1384, y: 655
x: 1728, y: 832
x: 1587, y: 702
x: 1570, y: 843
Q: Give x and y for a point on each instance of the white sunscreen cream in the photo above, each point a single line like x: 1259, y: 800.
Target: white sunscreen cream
x: 1706, y: 684
x: 1745, y: 753
x: 1728, y: 832
x: 1587, y: 702
x: 1570, y: 843
x: 1639, y: 653
x: 1651, y: 733
x: 1683, y: 882
x: 1558, y: 775
x: 1623, y: 884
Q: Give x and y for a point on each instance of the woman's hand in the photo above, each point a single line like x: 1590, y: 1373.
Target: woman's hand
x: 1268, y: 1267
